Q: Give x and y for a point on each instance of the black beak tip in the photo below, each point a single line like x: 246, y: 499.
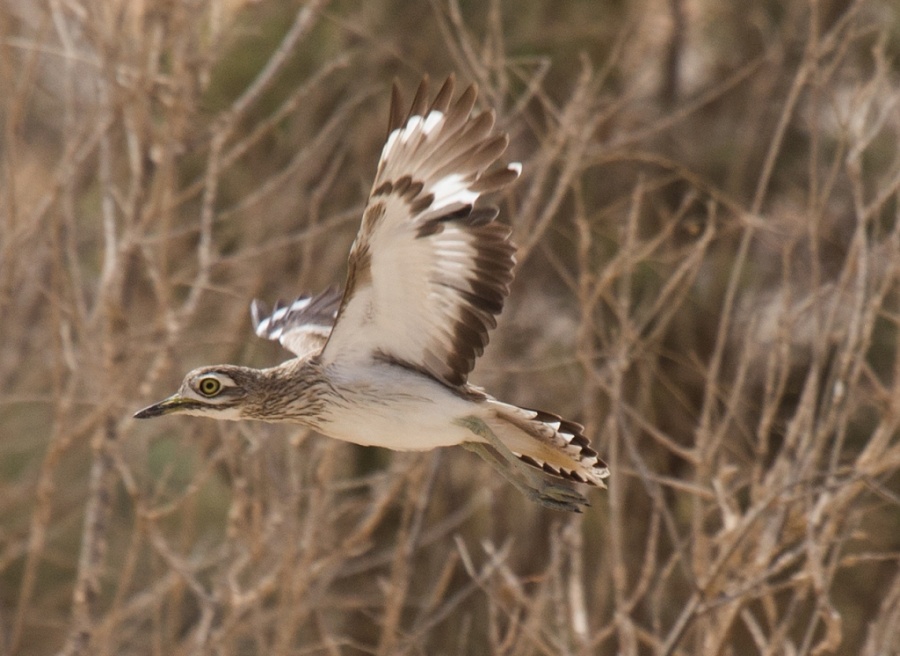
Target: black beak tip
x: 148, y: 412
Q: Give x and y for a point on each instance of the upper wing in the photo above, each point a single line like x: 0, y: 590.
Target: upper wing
x: 303, y: 326
x: 428, y: 271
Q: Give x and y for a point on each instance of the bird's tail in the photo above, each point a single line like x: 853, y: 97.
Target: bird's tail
x: 549, y: 443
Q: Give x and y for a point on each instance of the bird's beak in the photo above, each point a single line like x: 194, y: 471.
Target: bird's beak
x: 172, y: 404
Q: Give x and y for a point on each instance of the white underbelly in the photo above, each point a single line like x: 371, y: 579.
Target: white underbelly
x: 397, y: 409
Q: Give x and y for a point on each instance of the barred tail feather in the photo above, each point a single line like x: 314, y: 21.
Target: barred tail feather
x: 549, y: 443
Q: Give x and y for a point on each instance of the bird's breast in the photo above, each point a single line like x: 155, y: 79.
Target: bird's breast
x: 396, y: 408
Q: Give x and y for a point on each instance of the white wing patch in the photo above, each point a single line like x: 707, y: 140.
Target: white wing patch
x: 450, y: 190
x: 429, y: 271
x: 302, y: 326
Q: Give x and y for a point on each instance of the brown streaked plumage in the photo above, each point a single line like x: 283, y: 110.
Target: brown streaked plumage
x: 387, y: 362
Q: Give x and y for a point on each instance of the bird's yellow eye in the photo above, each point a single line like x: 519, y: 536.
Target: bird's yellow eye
x: 209, y: 386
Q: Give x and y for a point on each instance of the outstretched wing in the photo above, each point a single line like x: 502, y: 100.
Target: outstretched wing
x: 429, y: 271
x: 302, y: 326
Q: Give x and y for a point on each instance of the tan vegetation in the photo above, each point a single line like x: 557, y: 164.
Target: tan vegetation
x: 708, y: 280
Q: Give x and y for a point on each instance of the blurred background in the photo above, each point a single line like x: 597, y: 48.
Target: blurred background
x: 709, y: 259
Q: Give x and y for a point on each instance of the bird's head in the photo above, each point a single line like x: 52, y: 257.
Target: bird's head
x: 219, y: 392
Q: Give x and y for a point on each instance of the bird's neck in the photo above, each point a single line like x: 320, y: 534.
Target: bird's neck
x: 293, y: 392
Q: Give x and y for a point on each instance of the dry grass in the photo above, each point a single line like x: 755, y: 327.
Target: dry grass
x: 709, y: 268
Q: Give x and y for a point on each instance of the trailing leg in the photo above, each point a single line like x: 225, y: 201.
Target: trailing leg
x: 527, y: 479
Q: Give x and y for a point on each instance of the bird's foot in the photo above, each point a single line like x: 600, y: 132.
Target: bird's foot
x: 528, y: 480
x: 559, y: 497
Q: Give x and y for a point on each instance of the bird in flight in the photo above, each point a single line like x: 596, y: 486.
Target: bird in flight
x: 386, y: 361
